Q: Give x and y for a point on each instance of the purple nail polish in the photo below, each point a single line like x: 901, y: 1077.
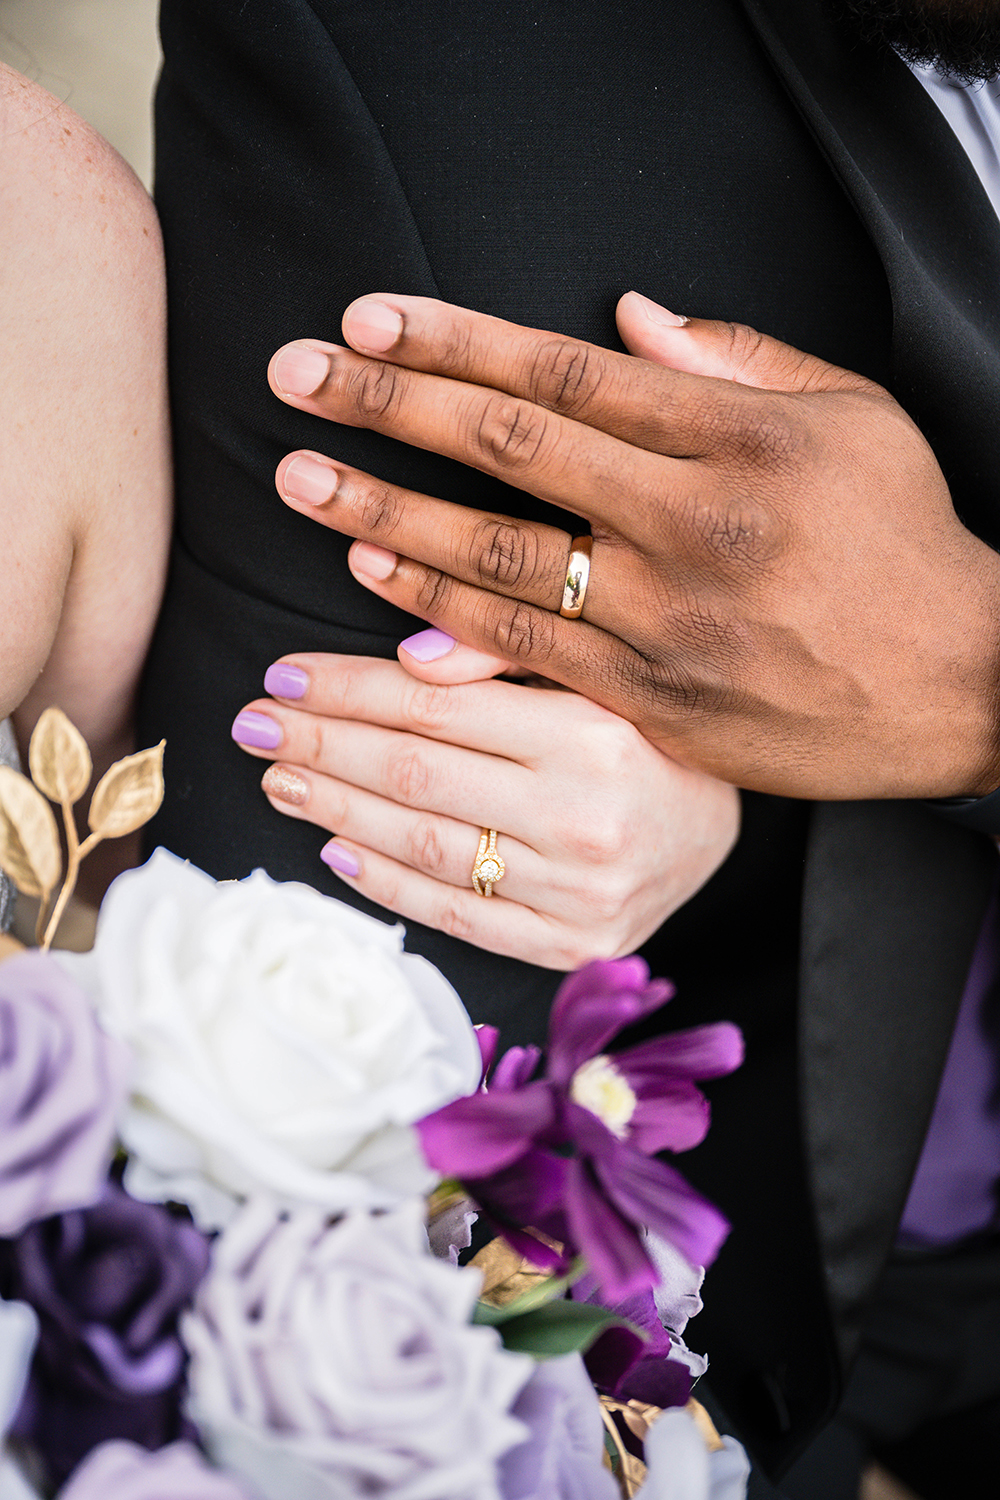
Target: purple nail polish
x: 256, y: 730
x: 339, y: 859
x: 428, y: 645
x: 284, y: 681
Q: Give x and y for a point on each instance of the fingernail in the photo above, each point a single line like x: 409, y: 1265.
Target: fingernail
x: 310, y: 481
x: 284, y: 681
x: 371, y: 561
x: 660, y: 315
x: 256, y: 730
x: 299, y: 371
x: 285, y: 784
x: 372, y: 325
x: 428, y: 645
x: 339, y: 859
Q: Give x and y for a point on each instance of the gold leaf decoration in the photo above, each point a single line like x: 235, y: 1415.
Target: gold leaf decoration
x: 58, y: 758
x: 506, y: 1274
x: 128, y: 794
x: 705, y: 1425
x: 29, y: 840
x: 629, y: 1471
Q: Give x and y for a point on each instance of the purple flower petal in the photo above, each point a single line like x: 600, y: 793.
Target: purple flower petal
x: 154, y: 1370
x: 699, y: 1052
x: 593, y: 1005
x: 610, y: 1357
x: 608, y: 1239
x: 660, y: 1381
x: 529, y: 1191
x: 648, y: 1192
x: 675, y: 1118
x: 545, y: 1257
x: 514, y: 1069
x: 470, y: 1138
x: 488, y: 1038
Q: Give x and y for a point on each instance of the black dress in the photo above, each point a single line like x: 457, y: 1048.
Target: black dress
x: 534, y: 162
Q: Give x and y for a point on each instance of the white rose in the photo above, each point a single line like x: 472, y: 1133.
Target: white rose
x: 332, y: 1362
x: 284, y: 1042
x: 680, y: 1466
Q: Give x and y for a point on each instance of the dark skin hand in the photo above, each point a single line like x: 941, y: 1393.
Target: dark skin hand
x: 781, y: 594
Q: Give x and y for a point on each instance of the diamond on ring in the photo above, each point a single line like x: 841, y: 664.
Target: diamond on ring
x: 489, y: 868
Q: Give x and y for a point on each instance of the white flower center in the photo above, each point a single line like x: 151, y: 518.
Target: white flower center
x: 599, y: 1087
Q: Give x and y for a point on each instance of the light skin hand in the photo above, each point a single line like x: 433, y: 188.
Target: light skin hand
x: 781, y: 593
x: 602, y: 835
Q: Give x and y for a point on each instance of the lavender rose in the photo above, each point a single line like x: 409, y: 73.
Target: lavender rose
x: 562, y: 1458
x: 284, y: 1042
x: 61, y: 1081
x: 124, y: 1471
x: 107, y: 1283
x: 329, y: 1363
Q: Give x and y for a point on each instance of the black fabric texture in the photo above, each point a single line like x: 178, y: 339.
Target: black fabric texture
x: 535, y: 163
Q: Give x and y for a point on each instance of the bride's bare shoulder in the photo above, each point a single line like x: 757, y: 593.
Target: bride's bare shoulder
x: 84, y: 453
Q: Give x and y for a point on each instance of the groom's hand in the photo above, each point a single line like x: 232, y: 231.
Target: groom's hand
x: 780, y: 594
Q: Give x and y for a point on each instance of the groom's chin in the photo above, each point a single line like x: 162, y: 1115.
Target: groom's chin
x: 961, y: 37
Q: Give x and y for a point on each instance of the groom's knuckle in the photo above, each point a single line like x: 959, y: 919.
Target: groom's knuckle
x: 565, y: 376
x: 374, y: 389
x: 503, y: 554
x: 433, y: 590
x: 380, y: 510
x: 522, y: 633
x: 453, y: 347
x: 508, y: 434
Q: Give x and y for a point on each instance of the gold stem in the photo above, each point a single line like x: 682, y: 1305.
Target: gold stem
x: 43, y: 908
x: 75, y: 852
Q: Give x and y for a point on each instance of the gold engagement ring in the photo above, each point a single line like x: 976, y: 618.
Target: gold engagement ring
x: 489, y: 868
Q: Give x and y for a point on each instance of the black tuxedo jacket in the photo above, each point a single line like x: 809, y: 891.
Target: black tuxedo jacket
x: 731, y: 158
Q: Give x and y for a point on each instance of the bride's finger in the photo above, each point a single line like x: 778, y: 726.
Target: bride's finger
x: 497, y: 717
x: 410, y: 770
x: 442, y: 848
x: 433, y: 656
x: 504, y: 927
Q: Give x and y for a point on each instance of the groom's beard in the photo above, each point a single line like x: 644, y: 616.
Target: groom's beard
x: 961, y: 37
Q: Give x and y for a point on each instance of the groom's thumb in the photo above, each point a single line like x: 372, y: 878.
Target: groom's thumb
x: 727, y: 351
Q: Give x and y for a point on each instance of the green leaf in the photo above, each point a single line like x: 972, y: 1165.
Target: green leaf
x: 557, y: 1328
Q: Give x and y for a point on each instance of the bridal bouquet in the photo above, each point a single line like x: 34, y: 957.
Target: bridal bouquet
x: 243, y: 1143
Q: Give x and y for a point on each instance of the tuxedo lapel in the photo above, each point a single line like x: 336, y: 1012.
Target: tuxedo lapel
x: 932, y: 224
x: 894, y: 896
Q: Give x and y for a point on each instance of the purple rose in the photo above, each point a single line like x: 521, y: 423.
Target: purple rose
x: 107, y: 1283
x: 124, y: 1471
x: 61, y: 1081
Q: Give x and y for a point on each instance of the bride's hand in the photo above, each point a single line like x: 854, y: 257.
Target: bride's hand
x: 603, y: 837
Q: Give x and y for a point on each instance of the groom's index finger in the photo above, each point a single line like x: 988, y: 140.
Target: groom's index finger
x: 644, y: 404
x: 571, y: 465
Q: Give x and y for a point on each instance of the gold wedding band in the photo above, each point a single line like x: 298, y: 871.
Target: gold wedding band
x: 489, y: 868
x: 577, y: 578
